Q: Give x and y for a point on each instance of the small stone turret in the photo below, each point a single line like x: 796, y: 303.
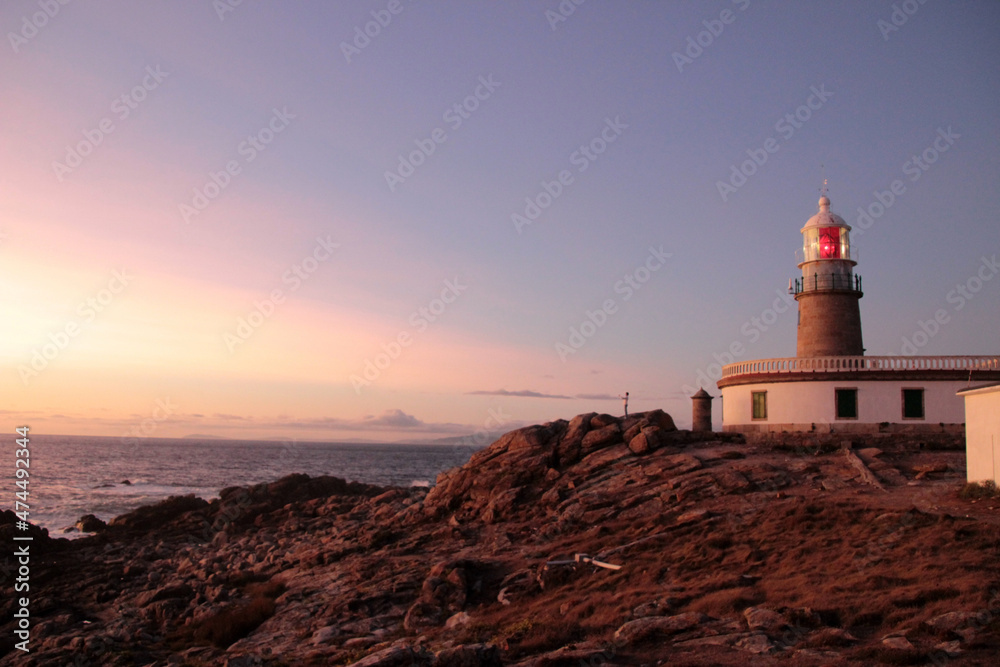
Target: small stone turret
x: 701, y: 411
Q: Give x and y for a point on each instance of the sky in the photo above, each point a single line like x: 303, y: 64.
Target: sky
x: 395, y: 220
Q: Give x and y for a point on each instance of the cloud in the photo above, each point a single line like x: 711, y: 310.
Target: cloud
x: 393, y: 419
x: 391, y: 422
x: 525, y: 393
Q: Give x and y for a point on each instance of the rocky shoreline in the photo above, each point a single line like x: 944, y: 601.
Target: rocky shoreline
x: 793, y: 549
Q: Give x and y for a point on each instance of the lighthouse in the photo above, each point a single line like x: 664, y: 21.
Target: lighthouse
x: 828, y: 291
x: 832, y: 385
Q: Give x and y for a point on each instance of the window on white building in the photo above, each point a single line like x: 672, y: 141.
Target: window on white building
x: 846, y: 403
x: 913, y: 404
x: 758, y: 400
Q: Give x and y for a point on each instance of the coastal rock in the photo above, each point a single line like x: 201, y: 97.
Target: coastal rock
x: 639, y: 444
x: 602, y: 420
x: 756, y: 643
x: 394, y: 656
x: 312, y: 571
x: 155, y: 516
x: 760, y: 618
x: 568, y: 448
x: 175, y: 591
x: 602, y: 437
x: 88, y: 523
x: 642, y: 628
x: 468, y: 655
x: 897, y: 643
x: 658, y: 418
x: 951, y: 621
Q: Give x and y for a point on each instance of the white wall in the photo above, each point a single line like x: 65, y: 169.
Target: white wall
x: 813, y: 402
x: 982, y: 434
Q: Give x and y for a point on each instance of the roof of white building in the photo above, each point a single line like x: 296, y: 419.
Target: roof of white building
x: 993, y: 387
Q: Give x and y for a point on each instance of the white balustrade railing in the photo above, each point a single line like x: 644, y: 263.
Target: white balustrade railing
x: 860, y: 364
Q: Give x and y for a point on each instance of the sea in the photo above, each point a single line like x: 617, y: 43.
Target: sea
x: 71, y: 476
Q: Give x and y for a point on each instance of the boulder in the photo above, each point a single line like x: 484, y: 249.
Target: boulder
x: 755, y: 642
x: 640, y: 444
x: 602, y: 420
x: 568, y: 448
x: 648, y: 439
x: 182, y: 591
x: 601, y: 438
x: 951, y: 621
x: 468, y: 655
x: 658, y: 418
x: 897, y: 643
x: 88, y: 523
x: 422, y: 614
x: 650, y: 626
x: 152, y: 517
x: 394, y: 656
x: 761, y: 618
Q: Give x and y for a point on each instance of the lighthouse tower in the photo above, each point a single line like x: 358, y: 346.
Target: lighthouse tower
x: 828, y: 291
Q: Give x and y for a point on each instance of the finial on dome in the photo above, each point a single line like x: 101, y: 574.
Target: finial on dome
x: 824, y: 201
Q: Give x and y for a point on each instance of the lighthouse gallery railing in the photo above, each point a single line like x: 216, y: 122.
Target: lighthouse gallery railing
x: 859, y: 364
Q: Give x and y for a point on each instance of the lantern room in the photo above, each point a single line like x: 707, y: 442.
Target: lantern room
x: 826, y: 236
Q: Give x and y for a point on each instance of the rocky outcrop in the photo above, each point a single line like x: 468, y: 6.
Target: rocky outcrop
x: 89, y: 523
x: 598, y: 539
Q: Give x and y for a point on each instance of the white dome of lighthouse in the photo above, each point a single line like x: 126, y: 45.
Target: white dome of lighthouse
x: 824, y: 218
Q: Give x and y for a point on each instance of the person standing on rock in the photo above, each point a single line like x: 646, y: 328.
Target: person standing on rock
x: 625, y: 401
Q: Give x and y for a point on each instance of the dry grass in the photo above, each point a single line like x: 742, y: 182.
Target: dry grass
x: 977, y: 490
x: 239, y: 619
x: 235, y: 621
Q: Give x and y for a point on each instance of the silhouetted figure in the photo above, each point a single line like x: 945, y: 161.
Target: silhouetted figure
x: 625, y: 401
